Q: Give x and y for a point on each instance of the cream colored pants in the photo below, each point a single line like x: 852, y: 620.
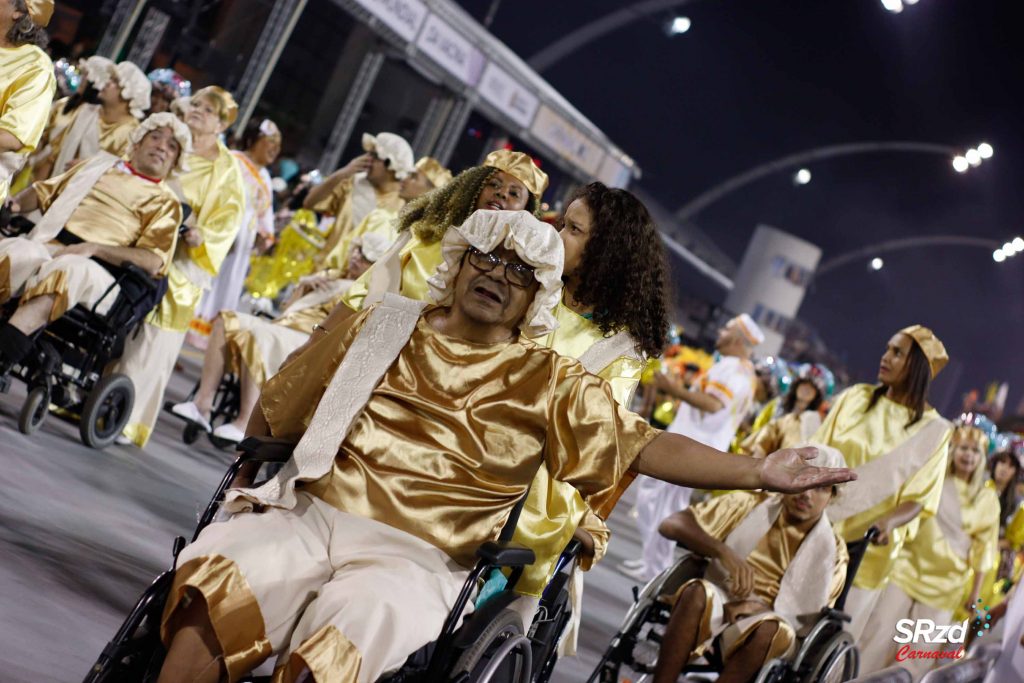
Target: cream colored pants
x: 344, y: 596
x: 26, y: 268
x: 876, y: 644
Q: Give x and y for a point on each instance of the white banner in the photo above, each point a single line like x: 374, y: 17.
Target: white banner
x: 613, y: 172
x: 554, y: 131
x: 505, y: 93
x: 447, y: 47
x: 404, y: 17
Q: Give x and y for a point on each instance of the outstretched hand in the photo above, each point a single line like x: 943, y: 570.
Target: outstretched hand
x: 787, y: 471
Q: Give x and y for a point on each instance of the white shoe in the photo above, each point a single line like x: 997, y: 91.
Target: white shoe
x: 633, y: 564
x: 123, y: 440
x: 229, y: 432
x: 190, y: 412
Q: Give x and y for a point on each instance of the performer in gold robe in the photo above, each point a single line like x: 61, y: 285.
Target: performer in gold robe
x: 100, y: 214
x: 940, y: 570
x: 798, y: 423
x: 27, y: 84
x: 212, y: 187
x: 758, y: 592
x: 363, y: 184
x: 897, y: 444
x: 106, y: 126
x: 398, y: 507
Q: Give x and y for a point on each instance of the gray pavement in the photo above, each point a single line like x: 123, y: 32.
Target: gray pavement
x: 82, y: 532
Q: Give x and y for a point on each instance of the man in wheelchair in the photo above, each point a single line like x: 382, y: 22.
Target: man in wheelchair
x: 775, y: 561
x: 418, y: 429
x: 103, y: 213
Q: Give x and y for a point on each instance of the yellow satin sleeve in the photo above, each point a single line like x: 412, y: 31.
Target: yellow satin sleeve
x: 419, y: 261
x: 1015, y: 528
x: 27, y: 86
x: 380, y: 221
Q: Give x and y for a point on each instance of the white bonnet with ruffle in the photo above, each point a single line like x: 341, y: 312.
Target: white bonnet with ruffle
x: 135, y: 87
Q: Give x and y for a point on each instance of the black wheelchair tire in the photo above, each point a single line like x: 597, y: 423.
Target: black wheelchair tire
x: 190, y: 433
x: 476, y: 657
x: 106, y: 411
x: 837, y: 650
x: 34, y: 410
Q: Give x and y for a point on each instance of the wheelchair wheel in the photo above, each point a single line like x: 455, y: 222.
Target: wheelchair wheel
x: 33, y: 412
x: 106, y: 411
x: 837, y: 662
x: 190, y: 433
x: 474, y: 659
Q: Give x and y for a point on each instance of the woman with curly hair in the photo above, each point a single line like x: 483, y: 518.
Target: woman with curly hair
x: 27, y: 82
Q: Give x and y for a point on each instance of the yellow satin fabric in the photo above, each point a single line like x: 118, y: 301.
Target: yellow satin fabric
x: 328, y: 655
x: 339, y: 205
x: 380, y: 221
x: 27, y: 86
x: 303, y: 319
x: 419, y: 262
x: 863, y: 436
x: 784, y: 432
x: 215, y: 191
x: 114, y: 137
x: 769, y: 559
x: 121, y: 210
x: 931, y: 572
x: 455, y: 432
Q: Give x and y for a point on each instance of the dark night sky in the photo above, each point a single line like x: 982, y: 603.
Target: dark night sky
x: 755, y: 81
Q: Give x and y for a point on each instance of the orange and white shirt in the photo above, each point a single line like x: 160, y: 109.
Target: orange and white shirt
x: 731, y: 380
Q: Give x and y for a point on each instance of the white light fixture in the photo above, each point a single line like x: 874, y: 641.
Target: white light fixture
x: 998, y: 256
x: 802, y: 177
x: 973, y: 157
x: 1008, y: 249
x: 877, y: 263
x: 1018, y: 243
x: 893, y: 5
x: 960, y: 164
x: 985, y: 150
x: 909, y: 2
x: 679, y: 25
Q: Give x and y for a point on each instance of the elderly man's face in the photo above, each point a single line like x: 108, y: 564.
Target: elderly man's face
x: 157, y: 153
x: 489, y: 293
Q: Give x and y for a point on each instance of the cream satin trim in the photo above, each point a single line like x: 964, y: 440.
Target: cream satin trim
x: 386, y: 274
x: 364, y: 199
x: 951, y: 521
x: 374, y: 349
x: 807, y: 582
x: 810, y: 420
x: 602, y: 353
x: 54, y: 220
x: 82, y: 139
x: 882, y: 477
x: 10, y: 164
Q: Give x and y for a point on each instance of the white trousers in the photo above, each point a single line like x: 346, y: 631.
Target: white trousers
x: 655, y: 501
x: 26, y: 266
x: 877, y: 647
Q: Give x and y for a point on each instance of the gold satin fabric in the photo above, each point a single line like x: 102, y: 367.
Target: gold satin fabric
x: 931, y: 572
x: 863, y: 436
x: 455, y: 432
x: 121, y: 210
x: 419, y: 262
x: 303, y: 319
x: 114, y: 137
x: 784, y: 432
x: 234, y: 613
x: 328, y: 655
x: 381, y: 221
x: 215, y: 191
x: 719, y: 516
x: 339, y: 205
x: 27, y: 85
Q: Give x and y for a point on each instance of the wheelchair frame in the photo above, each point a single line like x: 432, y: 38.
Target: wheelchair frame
x: 486, y: 645
x: 826, y: 645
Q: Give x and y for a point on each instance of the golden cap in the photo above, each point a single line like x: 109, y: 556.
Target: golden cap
x: 521, y: 167
x: 933, y: 349
x: 40, y: 11
x: 438, y: 175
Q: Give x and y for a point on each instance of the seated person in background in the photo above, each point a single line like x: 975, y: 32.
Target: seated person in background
x: 757, y: 593
x: 797, y: 424
x: 418, y: 429
x: 254, y: 348
x: 100, y: 214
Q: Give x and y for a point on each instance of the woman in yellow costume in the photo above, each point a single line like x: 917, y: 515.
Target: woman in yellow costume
x: 1005, y: 470
x: 940, y: 571
x: 897, y: 444
x: 798, y: 422
x: 27, y: 83
x: 213, y: 188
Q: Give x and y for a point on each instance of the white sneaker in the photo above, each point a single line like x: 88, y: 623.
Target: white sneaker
x: 190, y: 412
x: 633, y: 564
x: 229, y: 432
x: 123, y: 440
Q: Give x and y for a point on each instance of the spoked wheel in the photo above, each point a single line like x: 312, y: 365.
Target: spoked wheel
x: 838, y: 661
x: 33, y: 412
x: 106, y: 411
x: 506, y: 625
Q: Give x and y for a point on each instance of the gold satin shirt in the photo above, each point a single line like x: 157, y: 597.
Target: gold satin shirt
x: 455, y: 432
x: 381, y: 221
x: 784, y: 432
x: 114, y: 137
x: 27, y: 85
x: 719, y: 516
x: 215, y: 191
x: 931, y: 572
x: 863, y: 436
x: 339, y: 205
x: 419, y: 262
x: 121, y: 210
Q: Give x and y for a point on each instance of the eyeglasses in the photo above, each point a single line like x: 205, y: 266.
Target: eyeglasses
x: 516, y: 274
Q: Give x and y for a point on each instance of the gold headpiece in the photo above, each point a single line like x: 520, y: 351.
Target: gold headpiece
x: 438, y: 175
x: 40, y: 11
x: 933, y: 349
x: 228, y: 108
x: 521, y: 167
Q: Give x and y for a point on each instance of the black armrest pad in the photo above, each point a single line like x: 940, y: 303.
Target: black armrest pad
x: 266, y: 449
x: 505, y: 554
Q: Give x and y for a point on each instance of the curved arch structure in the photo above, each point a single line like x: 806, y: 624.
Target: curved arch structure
x: 904, y: 243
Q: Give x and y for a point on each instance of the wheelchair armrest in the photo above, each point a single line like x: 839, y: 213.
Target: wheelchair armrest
x: 505, y: 554
x: 139, y: 274
x: 836, y: 614
x: 266, y: 449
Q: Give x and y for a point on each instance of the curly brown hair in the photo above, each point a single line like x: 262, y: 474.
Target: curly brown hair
x: 623, y: 272
x: 432, y: 214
